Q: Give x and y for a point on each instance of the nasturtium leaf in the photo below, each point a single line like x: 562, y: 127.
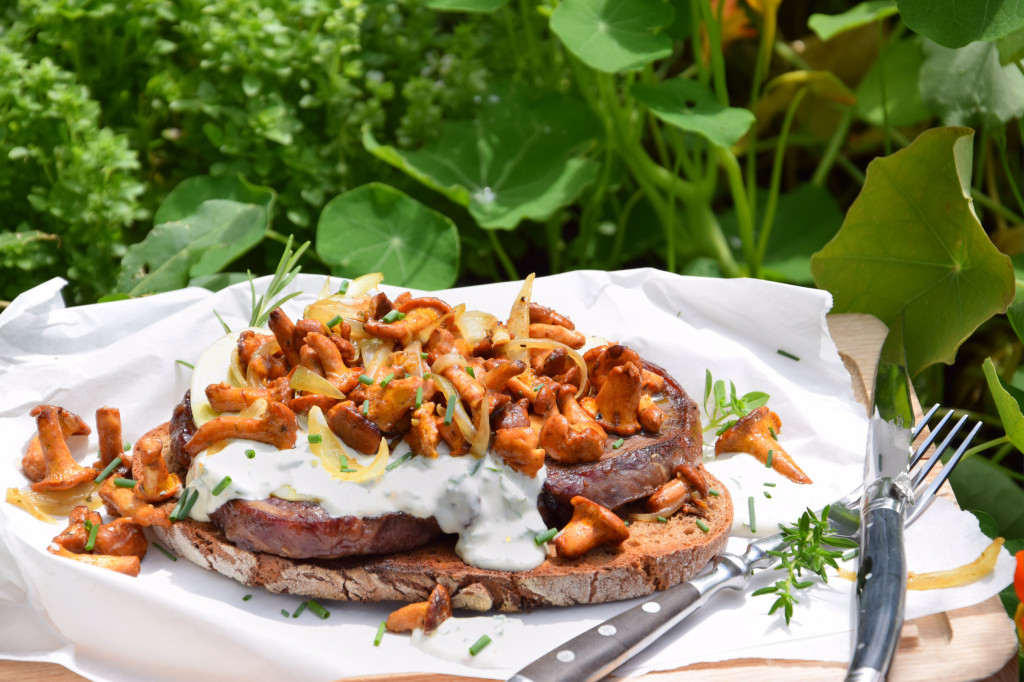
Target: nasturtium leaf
x: 979, y: 484
x: 465, y: 5
x: 681, y: 28
x: 1009, y: 402
x: 519, y: 159
x: 691, y: 106
x: 829, y: 25
x: 185, y: 198
x: 218, y: 281
x: 955, y: 24
x: 1011, y: 47
x: 614, y: 35
x: 911, y: 244
x: 376, y: 228
x: 218, y: 232
x: 968, y: 86
x: 780, y: 91
x: 900, y: 63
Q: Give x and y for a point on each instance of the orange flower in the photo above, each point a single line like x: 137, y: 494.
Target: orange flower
x: 735, y: 25
x: 1018, y: 587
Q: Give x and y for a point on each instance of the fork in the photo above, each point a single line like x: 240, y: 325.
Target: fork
x: 605, y: 647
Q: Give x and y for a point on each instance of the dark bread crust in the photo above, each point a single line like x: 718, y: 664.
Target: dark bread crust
x: 655, y: 557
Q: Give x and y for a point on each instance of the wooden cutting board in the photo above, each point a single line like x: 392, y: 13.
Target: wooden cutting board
x: 975, y: 643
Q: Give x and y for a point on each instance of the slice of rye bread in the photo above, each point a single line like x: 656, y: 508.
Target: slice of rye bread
x: 655, y: 557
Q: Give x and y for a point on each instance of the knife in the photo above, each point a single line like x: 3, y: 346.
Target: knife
x: 882, y: 576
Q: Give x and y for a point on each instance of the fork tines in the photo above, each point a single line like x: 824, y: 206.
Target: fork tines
x: 924, y: 492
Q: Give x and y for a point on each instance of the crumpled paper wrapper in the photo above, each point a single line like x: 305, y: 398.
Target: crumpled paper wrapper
x: 176, y: 620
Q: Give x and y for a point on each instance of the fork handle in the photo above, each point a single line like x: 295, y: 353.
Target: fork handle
x: 881, y: 590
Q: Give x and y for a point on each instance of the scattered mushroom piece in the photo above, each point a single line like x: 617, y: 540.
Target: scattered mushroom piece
x: 128, y: 565
x: 108, y: 429
x: 686, y: 493
x: 75, y: 537
x: 62, y: 472
x: 34, y: 463
x: 556, y: 332
x: 590, y: 527
x: 278, y: 426
x: 424, y: 615
x: 123, y: 502
x: 121, y: 537
x: 149, y: 469
x: 752, y: 434
x: 619, y: 399
x: 649, y: 414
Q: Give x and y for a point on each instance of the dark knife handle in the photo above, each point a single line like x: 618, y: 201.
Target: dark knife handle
x: 605, y: 647
x: 881, y: 590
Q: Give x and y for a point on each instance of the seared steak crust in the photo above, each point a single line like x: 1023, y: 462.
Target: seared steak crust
x: 634, y: 470
x: 305, y: 530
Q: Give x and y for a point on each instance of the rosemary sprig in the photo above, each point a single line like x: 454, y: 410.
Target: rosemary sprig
x: 283, y: 276
x: 807, y: 548
x: 728, y: 409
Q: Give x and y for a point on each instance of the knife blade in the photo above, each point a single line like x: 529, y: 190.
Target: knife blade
x: 882, y: 576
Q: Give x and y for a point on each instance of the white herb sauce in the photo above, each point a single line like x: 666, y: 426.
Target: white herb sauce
x: 452, y: 640
x: 491, y: 507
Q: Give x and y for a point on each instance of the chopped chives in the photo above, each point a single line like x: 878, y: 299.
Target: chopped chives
x: 470, y: 371
x: 380, y: 633
x: 423, y: 356
x: 662, y: 519
x: 284, y: 613
x: 165, y: 552
x: 419, y: 397
x: 182, y: 499
x: 114, y: 463
x: 713, y: 492
x: 315, y: 438
x: 302, y: 607
x: 703, y: 526
x: 788, y: 355
x: 771, y: 430
x: 224, y: 483
x: 343, y: 288
x: 852, y: 553
x: 538, y: 387
x: 399, y: 462
x: 387, y: 380
x: 393, y: 316
x: 127, y: 446
x: 187, y: 509
x: 187, y: 364
x: 618, y: 444
x: 542, y: 538
x: 426, y: 375
x: 769, y: 485
x: 342, y: 462
x: 753, y: 519
x: 334, y: 320
x: 366, y: 408
x: 93, y: 529
x: 247, y: 597
x: 250, y: 453
x: 768, y: 459
x: 365, y: 379
x: 479, y: 645
x: 476, y: 467
x: 767, y: 494
x: 319, y: 610
x: 124, y: 482
x: 449, y: 410
x: 725, y: 427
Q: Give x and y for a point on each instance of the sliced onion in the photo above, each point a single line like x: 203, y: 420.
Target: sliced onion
x: 269, y: 347
x: 311, y: 382
x: 475, y: 325
x: 664, y: 512
x: 326, y: 309
x: 59, y: 503
x: 235, y: 376
x: 445, y: 361
x: 364, y: 284
x: 413, y: 350
x: 424, y: 334
x: 551, y: 344
x: 255, y: 410
x: 460, y: 416
x: 331, y: 448
x: 376, y: 354
x: 482, y: 440
x: 519, y: 320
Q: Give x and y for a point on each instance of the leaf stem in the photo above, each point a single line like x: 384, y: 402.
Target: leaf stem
x: 995, y: 206
x: 506, y: 262
x: 1010, y: 179
x: 714, y: 31
x: 834, y: 144
x: 986, y: 445
x: 744, y: 217
x: 773, y: 190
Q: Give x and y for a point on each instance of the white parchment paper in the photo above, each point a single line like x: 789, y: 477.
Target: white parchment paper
x: 176, y: 620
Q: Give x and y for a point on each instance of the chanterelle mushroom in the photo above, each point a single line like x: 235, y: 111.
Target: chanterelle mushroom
x: 752, y: 434
x: 155, y: 483
x: 591, y: 526
x: 278, y: 426
x: 34, y: 463
x: 426, y: 615
x: 619, y: 399
x: 62, y: 471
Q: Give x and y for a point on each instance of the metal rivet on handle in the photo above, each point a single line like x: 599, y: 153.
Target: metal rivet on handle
x: 565, y: 656
x: 651, y: 607
x: 606, y: 630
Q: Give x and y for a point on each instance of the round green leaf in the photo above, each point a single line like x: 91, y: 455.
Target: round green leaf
x: 185, y: 198
x: 1009, y: 404
x: 614, y: 35
x: 519, y: 159
x: 955, y: 24
x: 376, y: 228
x: 465, y: 5
x: 900, y: 63
x: 693, y: 107
x: 969, y: 87
x: 203, y: 243
x: 980, y: 484
x: 830, y: 25
x: 912, y: 244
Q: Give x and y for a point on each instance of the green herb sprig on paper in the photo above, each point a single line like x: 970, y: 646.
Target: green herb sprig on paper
x: 807, y: 548
x: 726, y: 410
x: 283, y: 276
